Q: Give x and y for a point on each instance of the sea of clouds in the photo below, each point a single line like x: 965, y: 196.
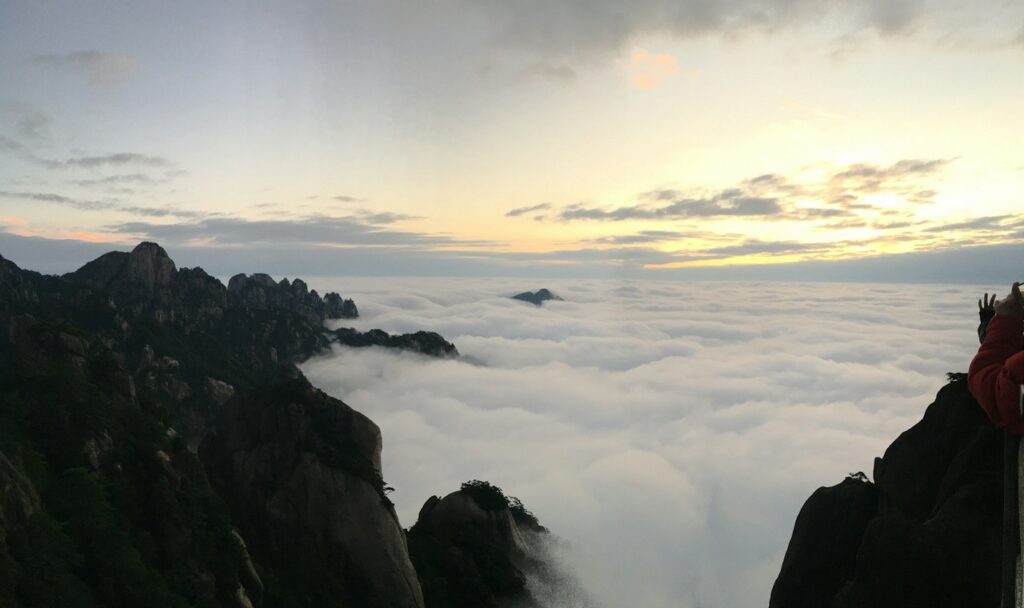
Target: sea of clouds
x: 668, y: 432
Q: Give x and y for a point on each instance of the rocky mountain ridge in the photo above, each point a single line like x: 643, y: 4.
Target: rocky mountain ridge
x: 158, y: 447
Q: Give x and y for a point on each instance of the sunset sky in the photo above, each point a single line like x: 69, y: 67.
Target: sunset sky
x: 583, y: 138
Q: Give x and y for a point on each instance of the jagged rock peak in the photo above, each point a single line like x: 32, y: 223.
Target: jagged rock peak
x: 150, y: 265
x: 260, y: 291
x: 147, y: 265
x: 147, y: 276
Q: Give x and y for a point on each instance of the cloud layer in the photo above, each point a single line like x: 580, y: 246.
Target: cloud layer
x: 668, y: 431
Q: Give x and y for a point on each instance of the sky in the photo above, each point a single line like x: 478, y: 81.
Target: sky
x: 654, y: 139
x: 667, y: 432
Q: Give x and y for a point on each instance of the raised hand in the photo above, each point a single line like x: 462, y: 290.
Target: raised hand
x: 987, y: 307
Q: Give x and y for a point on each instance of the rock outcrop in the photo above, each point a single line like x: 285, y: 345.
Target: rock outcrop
x: 423, y: 342
x: 536, y: 297
x: 260, y: 292
x: 301, y: 472
x: 476, y: 547
x: 926, y: 533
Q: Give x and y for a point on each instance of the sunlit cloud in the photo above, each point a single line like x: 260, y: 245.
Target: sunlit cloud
x: 20, y: 227
x: 844, y: 191
x: 647, y: 70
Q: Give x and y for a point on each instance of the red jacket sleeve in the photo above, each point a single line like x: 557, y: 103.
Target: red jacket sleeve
x: 997, y: 372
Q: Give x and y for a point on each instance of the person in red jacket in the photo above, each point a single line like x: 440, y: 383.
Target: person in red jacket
x: 996, y: 374
x: 995, y: 378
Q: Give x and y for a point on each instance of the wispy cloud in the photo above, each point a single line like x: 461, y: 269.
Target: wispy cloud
x: 99, y: 68
x: 15, y: 148
x: 96, y: 205
x: 647, y: 236
x: 21, y: 150
x: 382, y: 217
x: 732, y: 202
x: 29, y: 122
x: 869, y: 177
x: 990, y: 223
x: 117, y: 160
x: 117, y: 180
x: 354, y: 230
x: 530, y: 209
x: 59, y: 199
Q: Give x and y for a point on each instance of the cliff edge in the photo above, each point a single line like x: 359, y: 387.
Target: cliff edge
x: 925, y: 533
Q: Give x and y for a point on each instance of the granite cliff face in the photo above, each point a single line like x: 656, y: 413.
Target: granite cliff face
x: 926, y: 532
x: 158, y: 447
x: 301, y: 473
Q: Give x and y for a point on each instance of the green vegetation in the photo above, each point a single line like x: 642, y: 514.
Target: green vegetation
x: 116, y: 525
x: 490, y: 497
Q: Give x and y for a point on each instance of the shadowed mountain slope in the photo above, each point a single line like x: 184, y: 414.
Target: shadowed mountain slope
x: 926, y: 533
